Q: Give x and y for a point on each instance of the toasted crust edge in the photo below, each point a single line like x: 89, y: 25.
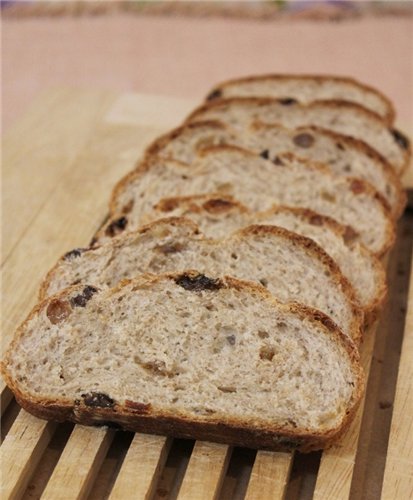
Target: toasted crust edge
x: 232, y: 431
x: 308, y: 245
x: 389, y: 117
x: 196, y: 115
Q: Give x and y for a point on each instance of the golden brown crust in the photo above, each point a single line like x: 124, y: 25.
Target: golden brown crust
x: 361, y: 146
x: 198, y: 203
x: 197, y: 114
x: 390, y: 111
x: 310, y: 247
x: 152, y: 419
x: 158, y: 144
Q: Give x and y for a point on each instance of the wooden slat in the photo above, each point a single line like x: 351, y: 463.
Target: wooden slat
x: 269, y: 476
x: 5, y: 396
x: 141, y: 468
x: 79, y: 463
x: 39, y: 148
x: 206, y: 471
x: 398, y: 474
x: 337, y: 463
x: 21, y: 451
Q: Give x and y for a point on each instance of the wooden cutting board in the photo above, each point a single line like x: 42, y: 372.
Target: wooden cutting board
x: 60, y: 162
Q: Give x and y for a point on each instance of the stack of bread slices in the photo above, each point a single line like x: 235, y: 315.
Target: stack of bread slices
x: 228, y: 294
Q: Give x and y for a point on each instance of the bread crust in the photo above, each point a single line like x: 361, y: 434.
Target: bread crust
x: 148, y: 163
x: 199, y: 204
x: 159, y: 144
x: 197, y: 115
x: 361, y: 146
x: 306, y: 244
x: 390, y: 111
x: 152, y: 419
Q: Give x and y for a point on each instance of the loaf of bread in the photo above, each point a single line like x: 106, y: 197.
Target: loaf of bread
x: 189, y: 356
x: 343, y: 155
x: 306, y: 89
x: 280, y: 260
x: 341, y: 117
x: 218, y: 217
x: 257, y: 183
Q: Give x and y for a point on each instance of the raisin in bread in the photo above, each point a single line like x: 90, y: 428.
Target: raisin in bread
x: 218, y: 217
x: 344, y: 155
x: 306, y: 89
x: 341, y: 117
x: 188, y: 356
x: 280, y: 260
x: 258, y: 183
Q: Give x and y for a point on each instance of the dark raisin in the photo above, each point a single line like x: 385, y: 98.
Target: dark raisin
x: 217, y: 205
x: 287, y: 101
x: 58, y: 310
x: 265, y: 154
x: 350, y: 235
x: 303, y: 140
x: 98, y: 399
x: 116, y: 227
x: 82, y: 299
x: 170, y: 248
x: 357, y: 186
x: 215, y: 94
x: 77, y: 252
x: 401, y: 139
x: 231, y: 339
x: 199, y: 282
x: 316, y: 220
x: 277, y: 161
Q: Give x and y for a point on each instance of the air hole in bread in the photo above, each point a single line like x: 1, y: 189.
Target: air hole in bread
x: 267, y: 352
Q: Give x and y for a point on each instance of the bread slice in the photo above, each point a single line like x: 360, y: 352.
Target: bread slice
x: 188, y: 356
x: 257, y: 183
x: 280, y: 260
x: 340, y: 117
x: 306, y: 89
x: 345, y: 156
x: 218, y: 217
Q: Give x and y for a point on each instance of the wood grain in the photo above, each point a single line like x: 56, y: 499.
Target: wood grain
x: 337, y: 464
x: 398, y: 474
x: 39, y: 148
x: 21, y: 451
x: 141, y: 468
x: 79, y: 464
x: 269, y: 476
x: 205, y: 472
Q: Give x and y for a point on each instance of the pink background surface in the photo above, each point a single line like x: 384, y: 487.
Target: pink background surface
x: 185, y: 56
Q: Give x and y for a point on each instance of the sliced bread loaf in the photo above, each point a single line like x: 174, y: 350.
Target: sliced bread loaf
x: 217, y: 217
x: 280, y: 260
x: 345, y: 156
x: 257, y: 183
x: 187, y: 356
x: 341, y: 117
x: 306, y: 89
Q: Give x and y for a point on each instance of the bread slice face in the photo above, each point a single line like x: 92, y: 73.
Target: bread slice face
x: 188, y: 356
x: 280, y: 260
x: 218, y: 217
x: 258, y: 184
x: 344, y: 156
x: 340, y: 117
x: 306, y: 89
